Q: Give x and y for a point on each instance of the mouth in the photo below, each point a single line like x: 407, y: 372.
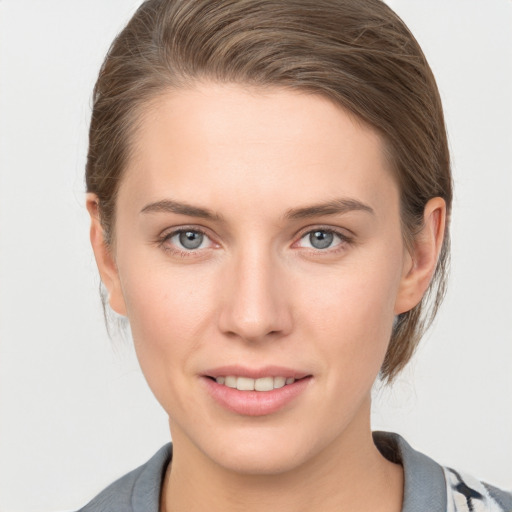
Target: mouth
x: 256, y: 393
x: 263, y: 384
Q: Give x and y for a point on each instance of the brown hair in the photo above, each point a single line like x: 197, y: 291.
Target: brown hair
x: 358, y: 53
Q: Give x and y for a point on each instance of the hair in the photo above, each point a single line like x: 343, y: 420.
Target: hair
x: 357, y: 53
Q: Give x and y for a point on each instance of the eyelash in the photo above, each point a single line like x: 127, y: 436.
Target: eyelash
x: 344, y: 241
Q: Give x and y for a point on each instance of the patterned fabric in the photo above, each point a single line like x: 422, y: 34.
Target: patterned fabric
x: 467, y: 494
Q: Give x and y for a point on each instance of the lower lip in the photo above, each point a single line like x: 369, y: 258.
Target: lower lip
x: 255, y: 403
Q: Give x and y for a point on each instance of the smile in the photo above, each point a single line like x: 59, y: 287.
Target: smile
x: 248, y: 384
x: 256, y: 392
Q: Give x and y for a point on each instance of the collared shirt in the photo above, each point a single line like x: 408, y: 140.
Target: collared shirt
x: 428, y: 487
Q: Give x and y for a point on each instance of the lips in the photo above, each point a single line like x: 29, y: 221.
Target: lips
x: 259, y: 392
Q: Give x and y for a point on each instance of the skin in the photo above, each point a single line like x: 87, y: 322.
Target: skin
x: 257, y: 293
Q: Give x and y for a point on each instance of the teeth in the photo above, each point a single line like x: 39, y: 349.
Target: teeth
x: 279, y: 382
x: 230, y: 382
x: 248, y: 384
x: 263, y: 384
x: 245, y: 384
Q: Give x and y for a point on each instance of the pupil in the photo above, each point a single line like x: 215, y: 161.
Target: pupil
x: 191, y: 239
x: 321, y: 239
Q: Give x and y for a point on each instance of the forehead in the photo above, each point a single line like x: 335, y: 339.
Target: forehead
x: 217, y: 139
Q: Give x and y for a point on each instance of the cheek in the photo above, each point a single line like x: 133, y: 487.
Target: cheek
x: 166, y: 300
x: 353, y: 312
x: 170, y: 312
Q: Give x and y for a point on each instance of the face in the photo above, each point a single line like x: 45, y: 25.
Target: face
x: 258, y: 244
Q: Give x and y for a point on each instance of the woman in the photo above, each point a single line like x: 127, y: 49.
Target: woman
x: 269, y: 190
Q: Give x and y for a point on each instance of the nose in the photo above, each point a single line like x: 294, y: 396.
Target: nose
x: 256, y: 303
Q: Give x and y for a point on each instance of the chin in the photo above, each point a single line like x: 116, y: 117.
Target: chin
x: 267, y: 450
x: 262, y: 460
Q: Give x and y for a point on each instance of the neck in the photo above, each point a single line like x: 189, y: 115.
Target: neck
x: 338, y: 479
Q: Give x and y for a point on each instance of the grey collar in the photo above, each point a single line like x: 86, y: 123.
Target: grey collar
x: 145, y: 496
x: 424, y: 481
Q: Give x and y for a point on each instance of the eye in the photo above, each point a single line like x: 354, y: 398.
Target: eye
x: 321, y: 239
x: 188, y: 239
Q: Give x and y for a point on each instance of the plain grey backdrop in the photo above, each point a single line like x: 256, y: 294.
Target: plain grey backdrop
x: 75, y: 412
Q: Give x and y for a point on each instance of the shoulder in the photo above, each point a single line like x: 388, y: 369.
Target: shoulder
x: 430, y: 486
x: 137, y: 491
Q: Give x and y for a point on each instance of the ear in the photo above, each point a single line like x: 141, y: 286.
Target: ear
x: 421, y: 259
x: 105, y: 258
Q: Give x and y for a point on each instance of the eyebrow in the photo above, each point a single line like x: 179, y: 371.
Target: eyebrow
x: 169, y: 206
x: 334, y: 207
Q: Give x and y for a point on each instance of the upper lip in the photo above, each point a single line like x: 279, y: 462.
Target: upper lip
x: 255, y: 373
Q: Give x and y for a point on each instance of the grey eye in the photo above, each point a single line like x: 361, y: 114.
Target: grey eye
x: 191, y: 239
x: 321, y: 239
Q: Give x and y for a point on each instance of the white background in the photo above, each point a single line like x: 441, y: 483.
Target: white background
x: 75, y: 412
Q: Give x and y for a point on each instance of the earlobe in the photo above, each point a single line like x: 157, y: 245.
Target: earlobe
x: 104, y: 258
x: 422, y: 259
